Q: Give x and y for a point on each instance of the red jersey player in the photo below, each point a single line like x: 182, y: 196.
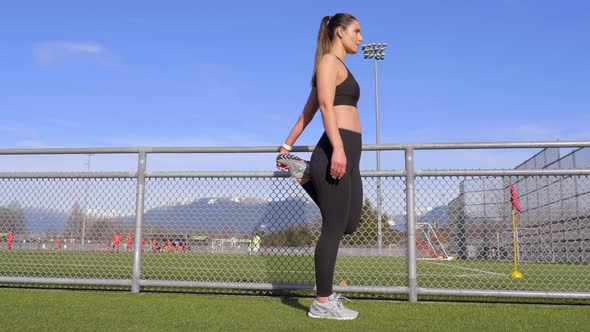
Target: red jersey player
x: 129, y: 242
x: 117, y: 241
x: 9, y: 240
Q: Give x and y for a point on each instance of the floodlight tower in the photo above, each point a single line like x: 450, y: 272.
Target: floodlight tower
x: 376, y: 51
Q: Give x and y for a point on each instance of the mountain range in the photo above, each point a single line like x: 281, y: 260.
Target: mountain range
x: 236, y: 216
x: 439, y: 214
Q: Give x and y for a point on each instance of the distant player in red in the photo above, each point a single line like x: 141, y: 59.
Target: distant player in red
x: 154, y: 245
x: 9, y: 240
x: 169, y: 246
x: 129, y: 242
x: 57, y: 242
x: 142, y: 244
x: 117, y: 238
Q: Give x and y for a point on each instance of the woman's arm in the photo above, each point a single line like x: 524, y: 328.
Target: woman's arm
x: 309, y: 111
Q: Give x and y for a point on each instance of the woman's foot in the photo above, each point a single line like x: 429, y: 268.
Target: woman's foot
x: 298, y: 168
x: 333, y: 309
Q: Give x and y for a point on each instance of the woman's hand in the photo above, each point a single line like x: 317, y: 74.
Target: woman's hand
x: 338, y: 164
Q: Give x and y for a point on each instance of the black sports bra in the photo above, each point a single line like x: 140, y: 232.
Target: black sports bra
x: 348, y: 92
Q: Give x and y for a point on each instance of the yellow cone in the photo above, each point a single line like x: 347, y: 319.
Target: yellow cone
x: 516, y: 275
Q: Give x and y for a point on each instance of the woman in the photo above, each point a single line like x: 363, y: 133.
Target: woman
x: 335, y: 184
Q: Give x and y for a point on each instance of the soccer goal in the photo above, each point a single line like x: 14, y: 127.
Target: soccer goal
x: 428, y: 243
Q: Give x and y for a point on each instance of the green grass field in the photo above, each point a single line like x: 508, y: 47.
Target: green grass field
x: 43, y: 310
x: 276, y: 268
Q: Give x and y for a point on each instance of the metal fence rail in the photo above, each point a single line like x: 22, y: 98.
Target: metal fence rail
x: 434, y: 232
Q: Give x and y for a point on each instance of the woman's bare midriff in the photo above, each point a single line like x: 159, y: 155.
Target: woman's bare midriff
x: 347, y: 117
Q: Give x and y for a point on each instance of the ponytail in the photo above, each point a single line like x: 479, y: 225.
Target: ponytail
x: 323, y: 45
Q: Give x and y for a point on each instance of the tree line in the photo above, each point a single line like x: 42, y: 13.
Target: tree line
x: 365, y: 235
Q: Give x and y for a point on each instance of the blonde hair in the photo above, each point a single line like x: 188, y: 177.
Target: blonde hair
x: 328, y: 27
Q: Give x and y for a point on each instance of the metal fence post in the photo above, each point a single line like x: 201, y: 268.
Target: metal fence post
x: 411, y: 216
x: 137, y: 250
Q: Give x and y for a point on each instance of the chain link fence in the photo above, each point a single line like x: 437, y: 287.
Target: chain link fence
x: 258, y: 231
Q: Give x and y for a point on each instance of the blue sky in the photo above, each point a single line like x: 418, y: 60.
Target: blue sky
x: 236, y: 73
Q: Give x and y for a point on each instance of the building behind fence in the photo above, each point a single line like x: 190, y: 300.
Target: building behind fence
x: 552, y: 226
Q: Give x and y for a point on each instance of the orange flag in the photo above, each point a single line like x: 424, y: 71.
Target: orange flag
x: 514, y: 198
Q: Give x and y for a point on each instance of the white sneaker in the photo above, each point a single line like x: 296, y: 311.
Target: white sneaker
x: 333, y: 309
x: 298, y: 168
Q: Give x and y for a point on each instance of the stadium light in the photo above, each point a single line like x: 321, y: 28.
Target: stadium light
x: 376, y: 51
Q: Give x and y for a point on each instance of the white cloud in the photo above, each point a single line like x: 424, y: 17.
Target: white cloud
x: 536, y: 131
x: 30, y: 144
x: 532, y: 131
x: 49, y: 52
x: 205, y: 161
x: 16, y: 130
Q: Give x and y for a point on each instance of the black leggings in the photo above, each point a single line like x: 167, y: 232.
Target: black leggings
x: 340, y: 202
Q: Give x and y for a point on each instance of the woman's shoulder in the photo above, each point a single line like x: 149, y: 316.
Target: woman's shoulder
x: 329, y: 59
x: 329, y: 66
x: 329, y: 63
